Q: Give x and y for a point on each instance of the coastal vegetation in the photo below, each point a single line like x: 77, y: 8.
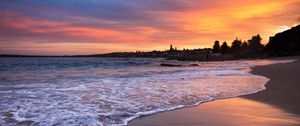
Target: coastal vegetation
x: 282, y: 44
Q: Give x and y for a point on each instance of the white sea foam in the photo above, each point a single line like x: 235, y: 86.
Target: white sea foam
x: 114, y: 93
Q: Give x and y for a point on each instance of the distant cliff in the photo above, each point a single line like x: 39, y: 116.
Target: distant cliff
x: 285, y: 43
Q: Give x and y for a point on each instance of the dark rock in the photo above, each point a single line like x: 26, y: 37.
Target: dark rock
x: 25, y: 123
x: 7, y: 114
x: 177, y: 65
x: 194, y: 64
x: 170, y: 65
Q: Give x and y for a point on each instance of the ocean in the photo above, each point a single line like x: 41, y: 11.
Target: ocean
x: 113, y: 91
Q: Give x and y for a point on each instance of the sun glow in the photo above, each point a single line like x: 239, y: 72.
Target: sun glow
x: 194, y: 24
x: 282, y: 28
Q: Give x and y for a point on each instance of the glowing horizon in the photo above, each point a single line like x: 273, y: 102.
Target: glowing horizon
x: 74, y: 27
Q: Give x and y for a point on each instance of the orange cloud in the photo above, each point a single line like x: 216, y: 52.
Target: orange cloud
x: 242, y: 19
x: 193, y: 24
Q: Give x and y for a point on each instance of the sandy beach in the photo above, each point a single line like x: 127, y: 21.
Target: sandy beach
x: 278, y: 105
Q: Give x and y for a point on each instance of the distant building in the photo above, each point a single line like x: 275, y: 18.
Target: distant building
x: 171, y: 48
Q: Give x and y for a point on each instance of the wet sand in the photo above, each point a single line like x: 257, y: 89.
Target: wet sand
x: 283, y: 90
x: 278, y: 105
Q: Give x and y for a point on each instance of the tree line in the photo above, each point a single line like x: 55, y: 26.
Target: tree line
x: 282, y: 44
x: 251, y: 48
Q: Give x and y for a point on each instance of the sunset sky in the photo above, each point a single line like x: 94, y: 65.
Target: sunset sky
x: 67, y: 27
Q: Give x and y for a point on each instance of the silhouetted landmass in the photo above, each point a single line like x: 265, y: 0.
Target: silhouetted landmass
x: 282, y: 44
x: 216, y: 47
x: 225, y: 48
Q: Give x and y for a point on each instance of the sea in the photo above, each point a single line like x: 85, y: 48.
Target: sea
x: 113, y: 91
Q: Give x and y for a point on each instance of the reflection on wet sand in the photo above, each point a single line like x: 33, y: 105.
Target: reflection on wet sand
x: 228, y: 112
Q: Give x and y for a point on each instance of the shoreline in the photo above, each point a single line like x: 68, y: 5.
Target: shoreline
x: 282, y: 90
x: 265, y: 99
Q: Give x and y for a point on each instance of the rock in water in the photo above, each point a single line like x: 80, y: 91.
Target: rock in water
x: 170, y: 65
